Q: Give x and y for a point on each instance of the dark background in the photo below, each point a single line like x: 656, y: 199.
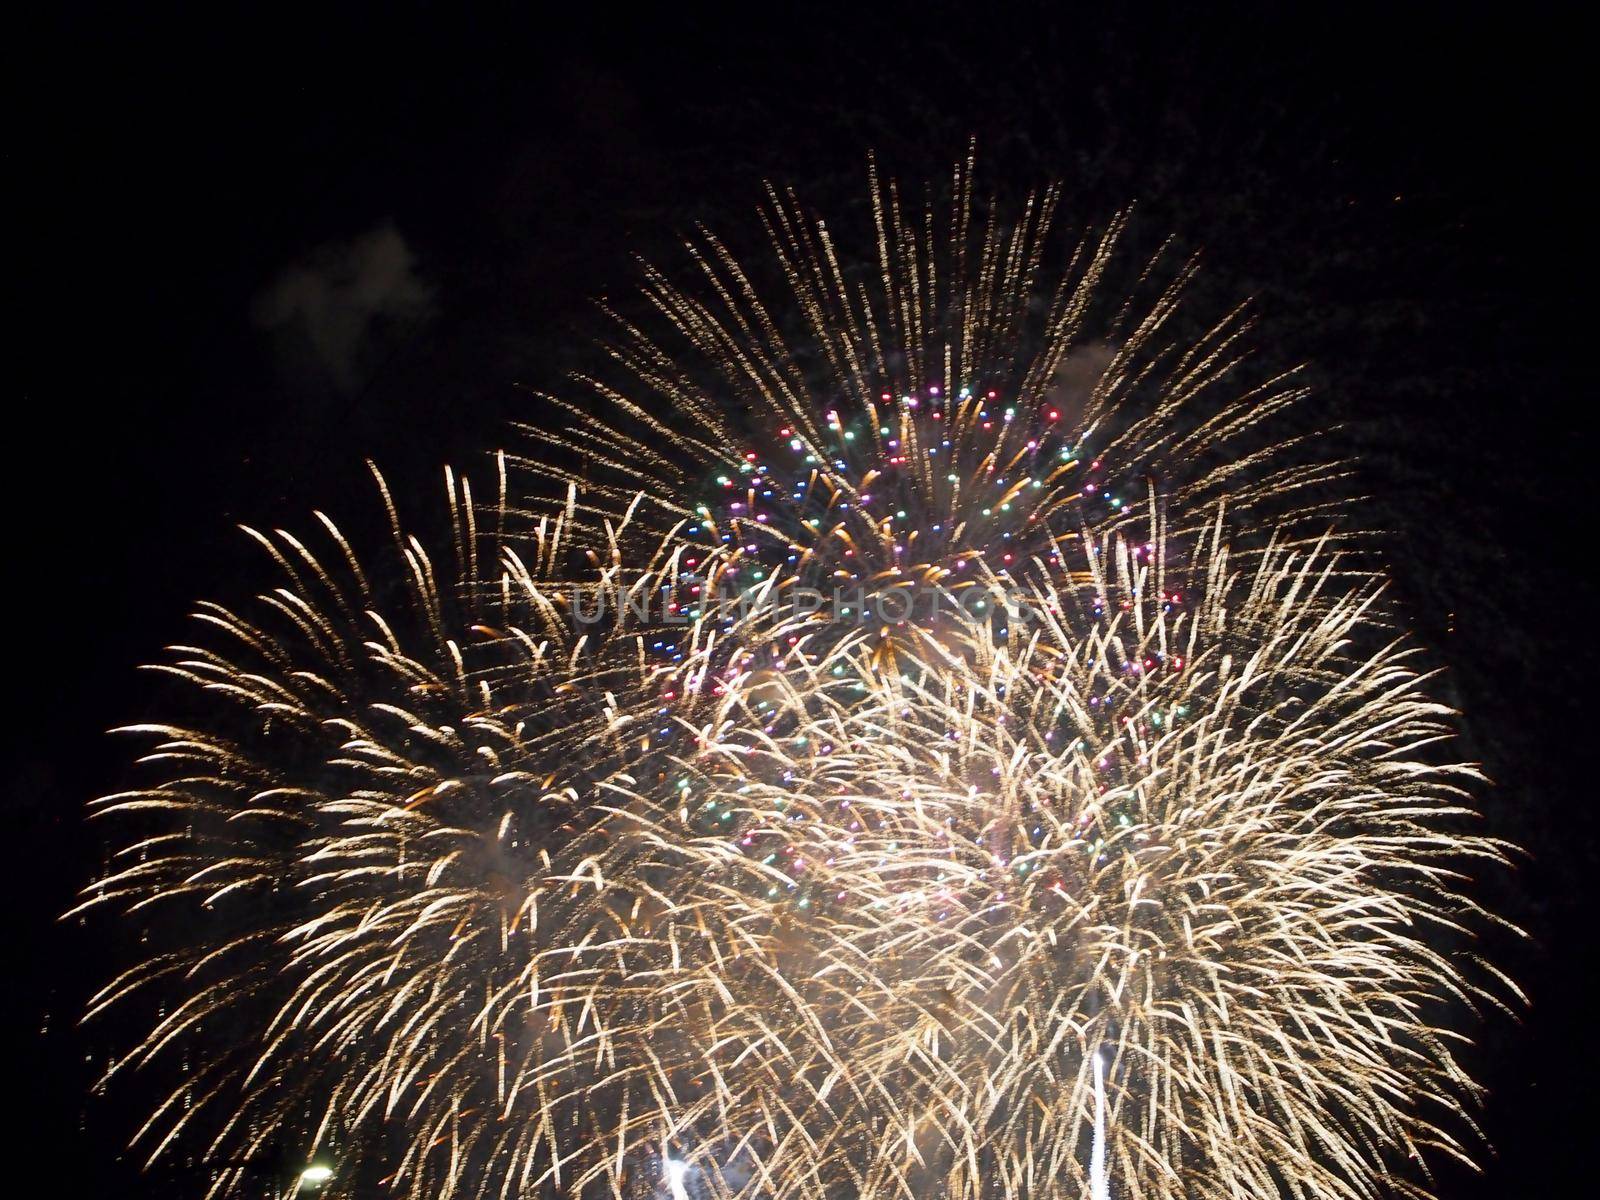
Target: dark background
x: 258, y: 247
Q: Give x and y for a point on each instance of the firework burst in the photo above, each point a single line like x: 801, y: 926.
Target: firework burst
x: 385, y: 850
x: 1070, y: 833
x: 960, y: 396
x: 1211, y: 841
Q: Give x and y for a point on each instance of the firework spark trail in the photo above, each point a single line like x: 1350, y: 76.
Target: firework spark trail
x: 1099, y: 1186
x: 1161, y: 881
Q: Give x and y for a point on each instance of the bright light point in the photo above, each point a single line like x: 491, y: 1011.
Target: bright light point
x: 316, y: 1175
x: 677, y: 1172
x: 1099, y: 1181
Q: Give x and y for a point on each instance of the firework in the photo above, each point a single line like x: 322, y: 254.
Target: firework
x: 960, y: 395
x: 923, y: 746
x: 384, y: 849
x: 1198, y: 853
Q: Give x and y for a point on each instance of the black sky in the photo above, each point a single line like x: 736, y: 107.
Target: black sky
x: 259, y: 247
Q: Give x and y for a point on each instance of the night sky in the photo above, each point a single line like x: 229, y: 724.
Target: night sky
x: 259, y: 248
